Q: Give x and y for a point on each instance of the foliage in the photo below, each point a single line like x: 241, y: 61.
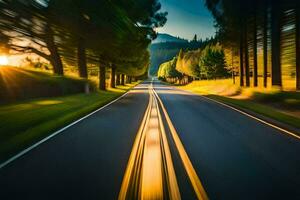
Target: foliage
x: 165, y: 51
x: 168, y: 70
x: 212, y: 62
x: 208, y: 63
x: 188, y: 63
x: 113, y: 33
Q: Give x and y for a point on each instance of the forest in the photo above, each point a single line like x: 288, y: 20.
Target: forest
x: 109, y: 36
x: 263, y: 37
x: 258, y: 42
x: 164, y: 51
x: 207, y: 62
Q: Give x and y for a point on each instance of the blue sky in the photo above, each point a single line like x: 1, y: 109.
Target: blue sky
x: 187, y: 18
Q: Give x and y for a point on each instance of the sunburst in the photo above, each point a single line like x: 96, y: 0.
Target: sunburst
x: 3, y: 60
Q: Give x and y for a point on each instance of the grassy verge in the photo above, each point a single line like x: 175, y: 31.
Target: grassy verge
x: 260, y: 108
x: 21, y: 84
x: 281, y: 106
x: 24, y: 123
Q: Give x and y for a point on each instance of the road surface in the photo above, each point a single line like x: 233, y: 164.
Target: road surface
x: 158, y: 142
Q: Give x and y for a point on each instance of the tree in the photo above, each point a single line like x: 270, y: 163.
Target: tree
x: 188, y: 63
x: 76, y: 32
x: 255, y: 75
x: 297, y: 32
x: 195, y: 39
x: 265, y: 43
x: 31, y: 24
x: 168, y: 70
x: 275, y: 38
x: 212, y: 63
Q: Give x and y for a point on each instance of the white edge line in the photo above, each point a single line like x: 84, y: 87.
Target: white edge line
x: 244, y: 113
x: 5, y: 163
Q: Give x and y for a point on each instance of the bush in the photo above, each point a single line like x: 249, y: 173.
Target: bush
x: 19, y: 84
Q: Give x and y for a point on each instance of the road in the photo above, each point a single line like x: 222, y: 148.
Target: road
x: 158, y: 142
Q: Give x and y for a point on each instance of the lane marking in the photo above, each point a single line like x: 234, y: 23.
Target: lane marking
x: 133, y: 155
x: 171, y: 178
x: 23, y: 152
x: 194, y: 179
x: 150, y: 172
x: 246, y: 114
x: 152, y: 183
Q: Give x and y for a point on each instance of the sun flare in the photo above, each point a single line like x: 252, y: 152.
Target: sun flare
x: 3, y: 60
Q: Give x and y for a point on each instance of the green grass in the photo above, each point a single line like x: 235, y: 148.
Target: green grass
x: 259, y: 108
x: 20, y: 84
x: 282, y: 106
x: 24, y: 123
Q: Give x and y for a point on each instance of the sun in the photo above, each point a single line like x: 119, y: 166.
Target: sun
x: 3, y: 60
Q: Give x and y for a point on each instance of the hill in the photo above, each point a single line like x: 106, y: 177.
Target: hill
x: 163, y: 37
x: 19, y: 84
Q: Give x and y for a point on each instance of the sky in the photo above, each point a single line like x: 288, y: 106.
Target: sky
x: 187, y: 18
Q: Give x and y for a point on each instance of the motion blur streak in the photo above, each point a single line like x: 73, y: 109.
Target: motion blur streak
x: 150, y: 173
x: 194, y: 179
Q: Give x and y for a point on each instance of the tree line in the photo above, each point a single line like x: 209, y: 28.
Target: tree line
x: 165, y: 51
x: 208, y: 62
x: 113, y: 34
x: 265, y: 35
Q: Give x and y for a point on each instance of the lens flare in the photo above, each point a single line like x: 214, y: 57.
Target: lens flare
x: 3, y: 60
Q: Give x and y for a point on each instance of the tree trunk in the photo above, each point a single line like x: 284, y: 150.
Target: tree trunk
x: 128, y: 79
x: 81, y: 59
x: 122, y: 79
x: 247, y: 71
x: 232, y: 66
x: 275, y: 35
x: 55, y: 59
x: 118, y: 79
x: 242, y: 57
x: 255, y: 79
x: 265, y: 46
x: 113, y: 77
x: 102, y: 77
x: 298, y: 46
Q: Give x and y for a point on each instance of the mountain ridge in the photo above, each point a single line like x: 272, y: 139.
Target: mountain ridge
x: 164, y: 37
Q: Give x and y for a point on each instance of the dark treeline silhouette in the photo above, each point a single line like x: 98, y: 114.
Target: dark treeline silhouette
x: 266, y: 35
x: 110, y: 34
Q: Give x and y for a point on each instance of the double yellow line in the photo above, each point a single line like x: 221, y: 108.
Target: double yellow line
x: 193, y: 177
x: 150, y: 172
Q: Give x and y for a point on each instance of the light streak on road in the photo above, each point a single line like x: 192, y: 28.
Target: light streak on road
x: 150, y: 173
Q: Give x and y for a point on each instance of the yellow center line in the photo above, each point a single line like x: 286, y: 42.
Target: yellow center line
x: 150, y: 173
x: 151, y: 180
x: 127, y: 179
x: 172, y: 184
x: 194, y: 179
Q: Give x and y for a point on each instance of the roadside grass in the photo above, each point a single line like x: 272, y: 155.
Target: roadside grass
x: 27, y: 122
x: 22, y: 83
x: 261, y: 109
x: 282, y: 106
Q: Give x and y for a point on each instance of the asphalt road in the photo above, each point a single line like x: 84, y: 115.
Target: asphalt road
x: 235, y: 157
x: 87, y: 161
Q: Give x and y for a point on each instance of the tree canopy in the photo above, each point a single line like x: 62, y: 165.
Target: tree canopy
x: 168, y: 70
x: 74, y: 32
